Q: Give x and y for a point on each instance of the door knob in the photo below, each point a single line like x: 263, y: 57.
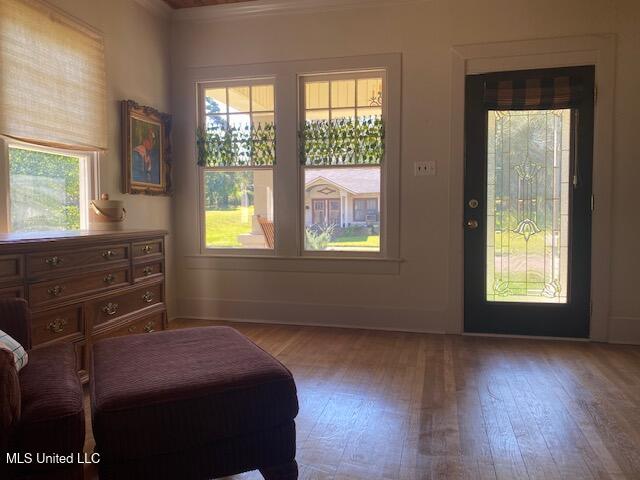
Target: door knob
x: 472, y: 224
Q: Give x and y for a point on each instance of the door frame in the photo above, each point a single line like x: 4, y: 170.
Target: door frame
x: 598, y: 50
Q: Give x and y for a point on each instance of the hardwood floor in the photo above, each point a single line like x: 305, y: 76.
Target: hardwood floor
x: 391, y: 405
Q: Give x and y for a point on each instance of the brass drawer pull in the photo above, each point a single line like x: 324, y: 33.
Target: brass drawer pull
x: 110, y: 309
x: 55, y: 291
x: 57, y: 325
x: 147, y: 271
x: 147, y: 249
x: 132, y: 329
x: 147, y: 297
x: 108, y: 254
x: 109, y: 278
x: 53, y: 261
x: 148, y: 328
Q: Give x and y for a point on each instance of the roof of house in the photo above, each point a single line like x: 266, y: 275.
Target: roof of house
x: 357, y: 181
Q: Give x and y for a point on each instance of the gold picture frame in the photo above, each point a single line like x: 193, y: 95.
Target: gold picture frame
x: 146, y: 150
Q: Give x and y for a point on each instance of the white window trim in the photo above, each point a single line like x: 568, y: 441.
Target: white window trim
x: 288, y: 171
x: 89, y: 179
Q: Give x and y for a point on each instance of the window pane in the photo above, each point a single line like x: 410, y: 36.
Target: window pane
x: 215, y: 100
x: 240, y: 130
x: 528, y: 194
x: 317, y: 94
x: 337, y: 213
x: 343, y: 93
x: 370, y: 112
x: 262, y: 119
x: 343, y: 113
x: 239, y: 138
x: 217, y: 123
x: 239, y: 209
x: 370, y: 92
x: 44, y: 191
x: 239, y: 99
x: 318, y: 115
x: 262, y: 98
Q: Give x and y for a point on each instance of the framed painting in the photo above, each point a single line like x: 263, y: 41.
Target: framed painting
x: 146, y: 150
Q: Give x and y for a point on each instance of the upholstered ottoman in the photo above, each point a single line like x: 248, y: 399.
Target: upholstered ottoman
x: 197, y: 403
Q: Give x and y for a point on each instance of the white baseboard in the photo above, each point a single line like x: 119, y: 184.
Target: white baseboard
x: 319, y: 315
x: 625, y: 330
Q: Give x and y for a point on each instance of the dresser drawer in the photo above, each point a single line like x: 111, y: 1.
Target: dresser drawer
x: 110, y: 309
x: 146, y: 271
x: 11, y: 268
x: 147, y: 324
x: 62, y: 323
x: 12, y: 292
x: 148, y: 249
x: 63, y: 260
x: 67, y: 288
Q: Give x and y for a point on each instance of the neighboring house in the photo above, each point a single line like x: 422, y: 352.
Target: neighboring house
x: 332, y: 196
x: 342, y: 196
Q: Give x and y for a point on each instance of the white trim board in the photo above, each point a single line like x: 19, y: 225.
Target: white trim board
x: 320, y: 315
x: 258, y: 8
x: 598, y: 50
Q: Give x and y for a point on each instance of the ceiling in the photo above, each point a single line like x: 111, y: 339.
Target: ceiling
x: 200, y: 3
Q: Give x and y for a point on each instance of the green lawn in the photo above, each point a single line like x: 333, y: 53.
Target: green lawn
x: 224, y: 226
x: 361, y: 242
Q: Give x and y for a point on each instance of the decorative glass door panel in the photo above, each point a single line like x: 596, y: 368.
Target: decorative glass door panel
x: 528, y: 185
x: 527, y: 206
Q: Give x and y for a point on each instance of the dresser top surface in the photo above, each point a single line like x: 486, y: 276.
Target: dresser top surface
x: 30, y: 238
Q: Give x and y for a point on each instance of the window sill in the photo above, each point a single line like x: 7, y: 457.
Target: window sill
x: 366, y: 266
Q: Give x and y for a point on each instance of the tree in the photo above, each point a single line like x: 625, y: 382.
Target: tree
x: 45, y: 190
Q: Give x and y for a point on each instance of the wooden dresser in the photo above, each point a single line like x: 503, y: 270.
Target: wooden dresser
x: 84, y: 286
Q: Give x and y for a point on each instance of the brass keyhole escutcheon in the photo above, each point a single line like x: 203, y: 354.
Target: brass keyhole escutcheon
x: 473, y: 203
x: 472, y: 224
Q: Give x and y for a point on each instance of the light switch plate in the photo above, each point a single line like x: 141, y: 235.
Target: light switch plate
x: 424, y: 169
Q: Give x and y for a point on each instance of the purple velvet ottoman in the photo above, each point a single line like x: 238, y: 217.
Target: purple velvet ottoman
x: 196, y: 403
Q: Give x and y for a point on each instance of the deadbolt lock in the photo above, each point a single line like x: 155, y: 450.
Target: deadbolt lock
x: 473, y: 203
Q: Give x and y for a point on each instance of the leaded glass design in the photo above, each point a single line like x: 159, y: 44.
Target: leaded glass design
x: 528, y: 185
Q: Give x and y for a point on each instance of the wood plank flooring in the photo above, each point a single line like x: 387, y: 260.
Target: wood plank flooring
x: 391, y: 405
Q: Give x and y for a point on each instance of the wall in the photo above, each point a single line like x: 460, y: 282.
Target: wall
x: 419, y: 296
x: 137, y: 59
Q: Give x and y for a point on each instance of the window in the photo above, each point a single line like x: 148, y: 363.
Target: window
x: 342, y: 152
x: 365, y: 209
x: 48, y: 189
x: 299, y: 160
x: 237, y: 150
x: 52, y: 117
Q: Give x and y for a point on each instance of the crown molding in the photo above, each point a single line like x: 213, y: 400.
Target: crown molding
x: 277, y: 7
x: 157, y: 7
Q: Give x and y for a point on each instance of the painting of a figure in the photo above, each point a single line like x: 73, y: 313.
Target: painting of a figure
x: 145, y: 156
x: 146, y: 150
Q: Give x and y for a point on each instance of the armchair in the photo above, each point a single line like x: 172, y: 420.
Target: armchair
x: 52, y: 410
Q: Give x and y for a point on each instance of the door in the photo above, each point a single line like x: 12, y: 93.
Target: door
x: 318, y: 212
x: 528, y: 203
x: 334, y: 211
x: 326, y: 211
